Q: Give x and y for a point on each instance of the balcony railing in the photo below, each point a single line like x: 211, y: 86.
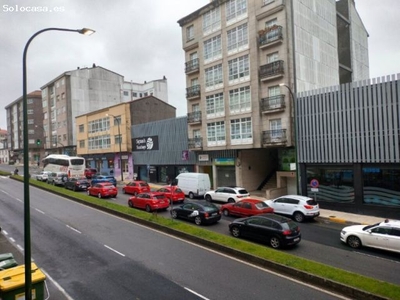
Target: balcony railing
x: 195, y: 143
x: 193, y: 91
x: 192, y: 66
x: 273, y: 103
x: 270, y: 35
x: 272, y: 69
x: 274, y: 137
x: 194, y: 117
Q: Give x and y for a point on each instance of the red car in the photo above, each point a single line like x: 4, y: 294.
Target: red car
x: 90, y: 172
x: 149, y: 201
x: 136, y: 187
x: 173, y: 193
x: 246, y: 207
x: 103, y: 190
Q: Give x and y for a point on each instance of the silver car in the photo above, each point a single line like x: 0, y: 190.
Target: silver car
x: 42, y: 176
x: 57, y: 178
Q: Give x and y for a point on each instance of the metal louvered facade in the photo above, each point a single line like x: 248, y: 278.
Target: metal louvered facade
x: 352, y: 123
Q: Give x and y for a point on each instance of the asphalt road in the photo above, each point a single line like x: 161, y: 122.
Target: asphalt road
x: 94, y: 255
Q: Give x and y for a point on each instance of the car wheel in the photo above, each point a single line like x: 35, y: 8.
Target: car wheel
x: 235, y: 231
x: 354, y: 242
x: 99, y: 195
x: 148, y: 208
x: 197, y: 220
x: 208, y: 198
x: 130, y: 204
x: 191, y: 195
x: 174, y: 214
x: 275, y: 242
x: 298, y: 217
x: 225, y: 212
x: 230, y: 200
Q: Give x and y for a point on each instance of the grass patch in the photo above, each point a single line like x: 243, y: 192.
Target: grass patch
x: 367, y: 284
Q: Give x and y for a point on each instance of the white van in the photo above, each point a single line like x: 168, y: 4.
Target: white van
x: 193, y: 184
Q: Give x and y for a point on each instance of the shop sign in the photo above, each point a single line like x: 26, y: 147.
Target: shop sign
x: 203, y: 157
x: 224, y: 161
x: 146, y: 143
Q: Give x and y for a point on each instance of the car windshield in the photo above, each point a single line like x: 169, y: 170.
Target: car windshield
x: 178, y: 191
x: 261, y: 205
x: 289, y: 225
x: 312, y: 202
x: 160, y: 197
x: 209, y: 207
x: 143, y: 184
x: 370, y: 226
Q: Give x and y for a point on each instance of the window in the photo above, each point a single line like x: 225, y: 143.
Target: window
x: 31, y: 121
x: 63, y: 96
x: 274, y: 100
x: 118, y: 139
x: 126, y: 93
x: 271, y: 23
x: 64, y: 137
x: 241, y: 131
x: 239, y: 69
x: 237, y: 38
x: 194, y: 81
x: 276, y: 128
x: 195, y: 107
x: 265, y: 2
x: 82, y: 128
x: 99, y: 142
x: 29, y: 101
x: 240, y: 100
x: 215, y: 105
x: 58, y: 98
x: 134, y: 94
x: 31, y: 131
x: 272, y: 57
x: 189, y: 33
x: 117, y: 121
x: 196, y: 133
x: 211, y: 21
x: 216, y: 134
x: 193, y: 56
x: 212, y: 49
x: 99, y: 125
x: 235, y: 10
x: 30, y: 111
x: 82, y: 144
x: 214, y: 77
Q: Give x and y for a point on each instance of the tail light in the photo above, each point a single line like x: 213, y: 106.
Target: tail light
x: 308, y: 206
x: 240, y: 196
x: 286, y: 232
x: 206, y: 215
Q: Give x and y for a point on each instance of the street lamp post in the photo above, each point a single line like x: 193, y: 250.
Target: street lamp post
x: 295, y: 134
x: 120, y: 141
x: 27, y: 229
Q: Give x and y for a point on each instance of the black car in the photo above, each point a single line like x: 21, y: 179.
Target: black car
x: 77, y: 184
x: 277, y: 231
x: 206, y: 213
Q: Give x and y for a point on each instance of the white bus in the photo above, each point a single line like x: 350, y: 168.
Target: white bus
x: 74, y: 166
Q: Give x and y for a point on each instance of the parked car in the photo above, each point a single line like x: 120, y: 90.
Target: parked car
x: 173, y: 193
x: 149, y: 201
x: 206, y: 213
x: 384, y: 235
x: 90, y: 172
x: 103, y: 190
x: 278, y: 231
x: 103, y: 178
x: 136, y: 187
x: 77, y: 184
x: 193, y: 184
x: 57, y: 178
x: 246, y: 208
x: 43, y: 175
x: 298, y: 207
x: 227, y: 194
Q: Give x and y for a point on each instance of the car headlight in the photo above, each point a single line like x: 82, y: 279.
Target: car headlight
x: 343, y: 232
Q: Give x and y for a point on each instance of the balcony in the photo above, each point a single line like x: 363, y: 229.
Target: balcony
x: 273, y: 104
x: 271, y: 138
x: 195, y: 143
x: 193, y: 92
x: 194, y: 117
x: 192, y: 66
x: 272, y: 70
x: 270, y: 36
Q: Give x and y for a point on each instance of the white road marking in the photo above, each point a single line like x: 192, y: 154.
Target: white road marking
x: 20, y: 248
x: 5, y: 232
x: 197, y: 294
x: 12, y: 240
x: 383, y: 258
x: 72, y: 228
x: 19, y: 200
x: 38, y: 210
x: 108, y: 247
x: 57, y: 285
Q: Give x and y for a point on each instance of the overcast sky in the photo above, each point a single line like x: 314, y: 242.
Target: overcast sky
x: 139, y: 39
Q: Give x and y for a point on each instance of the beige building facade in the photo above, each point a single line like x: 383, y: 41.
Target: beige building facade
x: 245, y: 62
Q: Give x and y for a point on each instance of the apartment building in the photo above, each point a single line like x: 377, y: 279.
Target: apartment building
x: 246, y: 60
x: 71, y: 94
x: 104, y: 135
x: 157, y: 88
x: 4, y: 153
x: 36, y: 136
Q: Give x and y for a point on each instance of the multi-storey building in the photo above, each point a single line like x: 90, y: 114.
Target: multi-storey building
x: 71, y: 94
x: 4, y: 153
x: 104, y: 135
x: 36, y: 135
x: 157, y: 88
x: 245, y: 62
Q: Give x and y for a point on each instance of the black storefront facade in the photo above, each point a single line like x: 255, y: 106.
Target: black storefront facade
x: 349, y: 147
x: 160, y: 150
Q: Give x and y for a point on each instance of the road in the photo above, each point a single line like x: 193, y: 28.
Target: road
x: 94, y: 255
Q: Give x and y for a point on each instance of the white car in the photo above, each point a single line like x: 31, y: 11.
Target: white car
x: 384, y: 235
x: 42, y: 176
x: 227, y: 194
x: 298, y: 207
